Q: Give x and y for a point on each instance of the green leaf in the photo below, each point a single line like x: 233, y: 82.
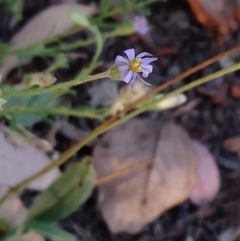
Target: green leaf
x: 50, y: 231
x: 66, y: 194
x: 14, y: 6
x: 12, y: 235
x: 47, y: 100
x: 106, y: 6
x: 4, y: 48
x: 79, y: 18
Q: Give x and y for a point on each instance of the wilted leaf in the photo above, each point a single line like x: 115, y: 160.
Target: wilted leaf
x: 52, y: 21
x: 66, y: 194
x: 19, y: 160
x: 130, y: 202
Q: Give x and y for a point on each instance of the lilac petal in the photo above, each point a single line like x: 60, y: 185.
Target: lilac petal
x: 130, y: 53
x: 141, y: 24
x: 148, y: 60
x: 124, y: 74
x: 143, y: 54
x: 140, y: 78
x: 145, y: 74
x: 122, y: 68
x: 146, y: 71
x: 147, y: 67
x: 128, y: 77
x: 133, y: 80
x: 120, y: 59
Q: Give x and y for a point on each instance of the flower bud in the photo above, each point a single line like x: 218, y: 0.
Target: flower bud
x: 114, y: 73
x: 39, y: 79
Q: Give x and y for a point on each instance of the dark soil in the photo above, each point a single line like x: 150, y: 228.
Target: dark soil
x: 173, y: 26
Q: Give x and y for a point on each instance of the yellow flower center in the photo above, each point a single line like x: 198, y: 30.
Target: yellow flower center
x: 135, y: 65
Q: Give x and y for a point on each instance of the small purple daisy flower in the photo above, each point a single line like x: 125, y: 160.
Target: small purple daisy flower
x: 132, y: 66
x: 140, y: 24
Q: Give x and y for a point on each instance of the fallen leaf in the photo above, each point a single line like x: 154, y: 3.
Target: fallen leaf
x: 19, y: 160
x: 31, y: 236
x: 52, y: 21
x: 133, y: 200
x: 216, y: 15
x: 205, y: 191
x: 235, y: 91
x: 232, y: 144
x: 221, y: 94
x: 13, y: 212
x: 187, y: 107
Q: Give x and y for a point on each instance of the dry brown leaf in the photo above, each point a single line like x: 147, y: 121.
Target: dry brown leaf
x: 19, y: 160
x: 13, y: 212
x: 31, y: 236
x: 130, y: 202
x: 235, y: 91
x: 217, y: 15
x: 52, y: 21
x: 232, y: 144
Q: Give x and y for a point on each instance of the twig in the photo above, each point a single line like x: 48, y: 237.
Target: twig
x: 112, y: 122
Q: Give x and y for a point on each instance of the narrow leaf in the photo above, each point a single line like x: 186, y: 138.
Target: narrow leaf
x: 66, y: 194
x: 50, y: 231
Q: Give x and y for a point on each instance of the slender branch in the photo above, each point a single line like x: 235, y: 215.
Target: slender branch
x: 123, y: 171
x: 67, y: 154
x: 55, y: 87
x: 87, y: 113
x: 170, y: 83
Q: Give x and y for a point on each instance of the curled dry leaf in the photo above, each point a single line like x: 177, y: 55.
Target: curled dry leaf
x: 19, y: 160
x: 217, y: 15
x: 127, y: 96
x: 133, y: 200
x: 52, y: 21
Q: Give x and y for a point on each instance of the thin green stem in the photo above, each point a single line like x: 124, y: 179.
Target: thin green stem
x: 98, y: 131
x: 87, y: 113
x: 55, y: 87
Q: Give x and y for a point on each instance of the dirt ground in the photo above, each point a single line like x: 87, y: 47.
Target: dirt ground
x: 212, y: 121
